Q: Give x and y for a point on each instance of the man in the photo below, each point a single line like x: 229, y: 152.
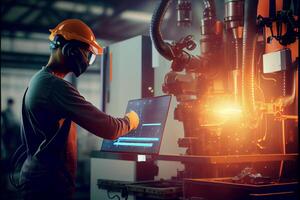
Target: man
x: 10, y: 129
x: 50, y: 104
x: 10, y: 140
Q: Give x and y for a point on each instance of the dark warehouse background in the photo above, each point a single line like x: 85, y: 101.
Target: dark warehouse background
x: 25, y: 28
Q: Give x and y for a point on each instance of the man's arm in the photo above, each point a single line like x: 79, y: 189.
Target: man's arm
x: 72, y: 105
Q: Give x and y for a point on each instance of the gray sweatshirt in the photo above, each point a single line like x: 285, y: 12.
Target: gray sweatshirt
x: 47, y: 103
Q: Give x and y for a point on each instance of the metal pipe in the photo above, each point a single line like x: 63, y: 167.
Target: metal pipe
x: 234, y: 15
x: 209, y: 10
x: 184, y: 13
x: 236, y: 70
x: 248, y: 64
x: 289, y: 117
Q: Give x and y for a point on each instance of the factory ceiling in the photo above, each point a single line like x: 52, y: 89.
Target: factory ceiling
x: 111, y: 20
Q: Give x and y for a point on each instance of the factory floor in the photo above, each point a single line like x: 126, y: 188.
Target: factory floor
x: 8, y: 192
x: 82, y: 193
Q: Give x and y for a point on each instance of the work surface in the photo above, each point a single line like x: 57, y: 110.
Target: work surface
x: 197, y: 159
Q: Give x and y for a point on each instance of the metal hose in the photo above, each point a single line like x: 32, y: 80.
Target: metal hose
x: 162, y: 47
x: 248, y: 64
x: 181, y: 58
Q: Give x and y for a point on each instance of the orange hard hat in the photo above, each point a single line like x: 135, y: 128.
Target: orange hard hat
x: 75, y: 29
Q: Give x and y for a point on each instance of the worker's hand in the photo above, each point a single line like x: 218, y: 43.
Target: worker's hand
x: 133, y: 119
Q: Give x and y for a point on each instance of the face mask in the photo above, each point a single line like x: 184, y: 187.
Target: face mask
x: 79, y: 64
x: 78, y: 57
x: 76, y: 60
x: 86, y: 59
x: 79, y: 68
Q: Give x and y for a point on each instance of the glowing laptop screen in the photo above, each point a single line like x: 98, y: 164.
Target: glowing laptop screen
x: 146, y: 139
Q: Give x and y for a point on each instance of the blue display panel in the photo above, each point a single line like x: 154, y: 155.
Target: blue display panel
x: 146, y: 139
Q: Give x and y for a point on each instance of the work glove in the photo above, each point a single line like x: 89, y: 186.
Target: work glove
x: 134, y: 120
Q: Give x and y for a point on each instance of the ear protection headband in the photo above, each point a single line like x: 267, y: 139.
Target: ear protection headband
x: 75, y: 59
x: 69, y: 48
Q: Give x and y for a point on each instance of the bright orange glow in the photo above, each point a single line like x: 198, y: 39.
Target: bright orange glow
x: 229, y: 111
x: 222, y: 110
x: 226, y: 108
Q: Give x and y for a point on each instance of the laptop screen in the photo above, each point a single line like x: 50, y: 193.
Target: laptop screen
x: 146, y: 139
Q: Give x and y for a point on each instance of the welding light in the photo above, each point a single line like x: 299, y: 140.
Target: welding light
x: 226, y: 111
x: 229, y: 111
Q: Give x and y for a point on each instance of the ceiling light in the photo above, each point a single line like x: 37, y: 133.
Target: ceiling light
x: 109, y: 11
x: 136, y: 16
x: 97, y: 10
x: 70, y: 6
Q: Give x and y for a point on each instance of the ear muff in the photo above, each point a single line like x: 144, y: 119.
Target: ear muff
x: 74, y: 58
x: 69, y: 50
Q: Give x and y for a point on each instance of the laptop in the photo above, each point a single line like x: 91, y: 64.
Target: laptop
x: 146, y: 139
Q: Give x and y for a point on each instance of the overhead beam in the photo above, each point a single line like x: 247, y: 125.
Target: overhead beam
x: 17, y: 26
x: 7, y: 6
x: 44, y: 13
x: 23, y: 60
x: 30, y: 9
x: 104, y: 21
x: 13, y: 27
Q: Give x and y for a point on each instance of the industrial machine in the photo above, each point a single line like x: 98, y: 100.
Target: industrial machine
x: 237, y: 99
x: 240, y: 95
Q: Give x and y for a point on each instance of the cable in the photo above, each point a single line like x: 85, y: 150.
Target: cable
x: 263, y: 118
x: 264, y: 138
x: 114, y: 196
x: 267, y: 78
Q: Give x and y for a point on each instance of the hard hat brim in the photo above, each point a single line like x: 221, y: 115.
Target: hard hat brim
x: 95, y: 47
